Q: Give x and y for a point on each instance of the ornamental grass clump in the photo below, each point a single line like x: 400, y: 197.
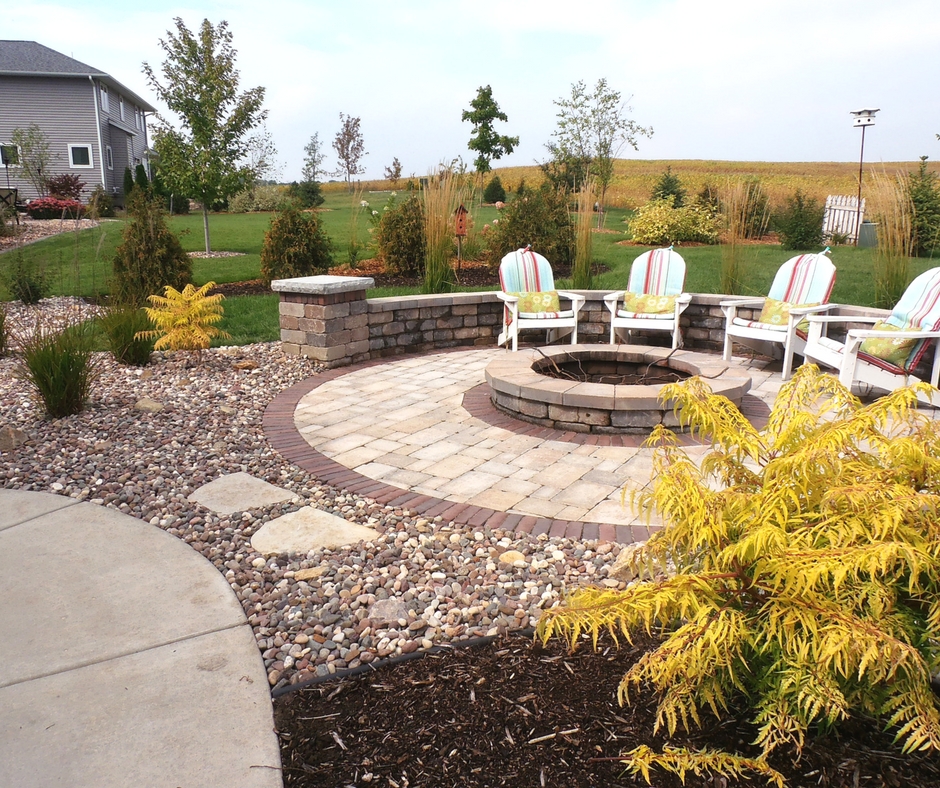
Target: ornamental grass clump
x: 799, y: 572
x: 124, y: 328
x: 59, y: 367
x: 185, y: 320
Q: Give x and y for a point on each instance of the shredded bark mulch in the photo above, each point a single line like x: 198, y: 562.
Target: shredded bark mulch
x: 512, y: 714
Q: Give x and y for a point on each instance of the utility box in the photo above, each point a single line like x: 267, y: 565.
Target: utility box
x: 868, y: 235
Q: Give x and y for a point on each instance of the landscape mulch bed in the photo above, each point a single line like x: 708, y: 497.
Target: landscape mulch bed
x: 511, y: 714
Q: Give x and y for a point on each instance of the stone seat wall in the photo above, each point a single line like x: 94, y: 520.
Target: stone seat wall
x: 329, y: 319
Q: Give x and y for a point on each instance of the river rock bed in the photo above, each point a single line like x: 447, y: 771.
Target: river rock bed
x: 151, y: 436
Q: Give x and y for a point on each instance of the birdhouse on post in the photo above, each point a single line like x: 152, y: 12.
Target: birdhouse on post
x: 460, y: 221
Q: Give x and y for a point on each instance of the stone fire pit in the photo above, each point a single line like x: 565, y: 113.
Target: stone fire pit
x: 604, y: 389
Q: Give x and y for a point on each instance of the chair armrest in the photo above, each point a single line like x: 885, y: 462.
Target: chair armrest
x: 842, y: 319
x: 684, y: 298
x: 811, y: 310
x: 573, y: 297
x: 741, y: 302
x: 868, y: 333
x: 509, y: 299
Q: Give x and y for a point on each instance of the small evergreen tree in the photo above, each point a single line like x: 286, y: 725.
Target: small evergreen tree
x: 400, y: 237
x: 539, y: 218
x: 669, y: 186
x: 924, y: 193
x: 140, y: 177
x: 494, y: 191
x: 295, y: 245
x: 128, y: 184
x: 150, y: 256
x: 306, y: 193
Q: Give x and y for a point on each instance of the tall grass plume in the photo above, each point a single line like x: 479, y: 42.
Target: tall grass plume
x: 584, y: 237
x: 443, y: 193
x: 890, y: 204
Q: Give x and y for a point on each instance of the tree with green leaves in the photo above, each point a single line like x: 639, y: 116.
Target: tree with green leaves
x: 924, y: 193
x: 484, y: 140
x: 593, y: 127
x: 669, y: 187
x: 350, y: 148
x: 313, y: 159
x: 206, y: 157
x: 35, y: 155
x: 393, y: 172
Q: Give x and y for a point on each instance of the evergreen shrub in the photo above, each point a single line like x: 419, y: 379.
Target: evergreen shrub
x: 400, y: 236
x: 800, y: 223
x: 295, y: 245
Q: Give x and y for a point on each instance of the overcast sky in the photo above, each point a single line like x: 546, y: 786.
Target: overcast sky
x: 763, y: 80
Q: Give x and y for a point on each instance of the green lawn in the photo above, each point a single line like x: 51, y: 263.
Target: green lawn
x: 79, y: 263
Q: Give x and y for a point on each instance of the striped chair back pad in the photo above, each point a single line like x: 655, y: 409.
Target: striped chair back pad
x: 919, y: 306
x: 525, y: 271
x: 657, y: 272
x: 804, y: 279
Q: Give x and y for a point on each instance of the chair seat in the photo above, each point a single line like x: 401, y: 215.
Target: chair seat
x: 646, y: 315
x: 567, y: 313
x: 740, y: 321
x: 838, y: 348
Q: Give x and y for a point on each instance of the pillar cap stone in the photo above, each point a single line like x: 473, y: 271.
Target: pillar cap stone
x: 322, y: 285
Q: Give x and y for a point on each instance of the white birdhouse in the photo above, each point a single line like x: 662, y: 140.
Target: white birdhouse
x: 864, y: 117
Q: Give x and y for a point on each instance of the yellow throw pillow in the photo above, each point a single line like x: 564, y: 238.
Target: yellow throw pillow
x: 893, y: 350
x: 777, y: 313
x: 648, y: 303
x: 539, y: 302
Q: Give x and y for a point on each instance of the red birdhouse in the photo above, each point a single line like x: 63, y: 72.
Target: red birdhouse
x: 460, y: 221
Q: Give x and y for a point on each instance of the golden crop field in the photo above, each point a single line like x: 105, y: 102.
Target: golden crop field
x: 634, y: 179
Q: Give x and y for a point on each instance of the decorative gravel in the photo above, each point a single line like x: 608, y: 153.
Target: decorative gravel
x: 421, y: 583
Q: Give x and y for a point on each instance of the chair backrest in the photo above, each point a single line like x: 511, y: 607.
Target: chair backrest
x: 8, y: 197
x: 804, y: 279
x: 657, y: 272
x: 525, y: 271
x: 919, y: 306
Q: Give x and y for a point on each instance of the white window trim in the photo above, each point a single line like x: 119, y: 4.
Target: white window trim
x: 137, y: 118
x: 105, y: 101
x: 121, y: 105
x: 110, y: 157
x: 19, y: 156
x: 91, y: 158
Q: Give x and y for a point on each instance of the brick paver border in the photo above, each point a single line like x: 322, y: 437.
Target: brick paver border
x: 284, y: 437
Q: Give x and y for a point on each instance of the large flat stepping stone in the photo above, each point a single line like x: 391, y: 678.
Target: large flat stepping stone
x: 238, y: 492
x: 308, y: 529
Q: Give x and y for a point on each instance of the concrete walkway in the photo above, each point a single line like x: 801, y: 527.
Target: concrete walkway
x: 125, y: 658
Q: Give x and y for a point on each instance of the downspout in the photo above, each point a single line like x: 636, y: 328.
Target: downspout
x: 94, y: 98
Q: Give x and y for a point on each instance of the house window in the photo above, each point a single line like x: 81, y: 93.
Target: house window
x: 9, y: 156
x: 121, y: 105
x: 80, y: 156
x: 104, y: 97
x: 137, y: 117
x: 110, y: 158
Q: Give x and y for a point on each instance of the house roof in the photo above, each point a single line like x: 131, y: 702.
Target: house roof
x: 31, y: 59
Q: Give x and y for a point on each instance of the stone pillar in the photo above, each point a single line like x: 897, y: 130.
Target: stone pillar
x: 325, y: 318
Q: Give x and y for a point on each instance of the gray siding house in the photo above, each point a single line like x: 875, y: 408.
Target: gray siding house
x: 95, y: 126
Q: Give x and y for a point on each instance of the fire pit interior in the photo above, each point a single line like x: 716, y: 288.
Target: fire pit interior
x: 602, y: 389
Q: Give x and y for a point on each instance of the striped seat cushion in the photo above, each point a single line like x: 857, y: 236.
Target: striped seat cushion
x: 646, y: 315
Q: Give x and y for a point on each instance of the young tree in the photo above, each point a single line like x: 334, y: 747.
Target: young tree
x: 924, y: 193
x: 313, y: 160
x: 34, y: 155
x: 349, y: 147
x: 206, y: 157
x: 393, y: 172
x: 592, y: 129
x: 485, y: 141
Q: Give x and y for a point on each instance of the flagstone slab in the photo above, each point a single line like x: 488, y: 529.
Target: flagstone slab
x: 308, y: 529
x: 239, y: 492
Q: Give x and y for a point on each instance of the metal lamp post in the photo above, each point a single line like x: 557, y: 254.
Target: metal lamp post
x: 863, y: 119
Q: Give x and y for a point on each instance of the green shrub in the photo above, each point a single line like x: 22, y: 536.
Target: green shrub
x: 306, y: 193
x: 539, y: 218
x: 100, y: 203
x: 150, y: 255
x: 122, y: 326
x: 241, y: 202
x: 924, y: 193
x: 669, y: 186
x: 400, y: 236
x: 26, y: 280
x: 59, y: 367
x: 800, y: 223
x: 128, y: 183
x: 796, y: 575
x: 659, y: 223
x: 494, y: 191
x: 260, y: 198
x: 295, y: 245
x: 141, y: 181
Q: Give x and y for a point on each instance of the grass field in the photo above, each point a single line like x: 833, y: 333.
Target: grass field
x: 79, y: 263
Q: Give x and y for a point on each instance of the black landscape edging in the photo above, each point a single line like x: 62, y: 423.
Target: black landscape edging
x: 388, y: 662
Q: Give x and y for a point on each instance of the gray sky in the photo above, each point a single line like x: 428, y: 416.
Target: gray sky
x: 762, y: 80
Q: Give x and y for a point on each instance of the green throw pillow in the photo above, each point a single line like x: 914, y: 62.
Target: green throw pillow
x: 777, y: 313
x: 648, y: 303
x: 893, y: 350
x: 539, y: 302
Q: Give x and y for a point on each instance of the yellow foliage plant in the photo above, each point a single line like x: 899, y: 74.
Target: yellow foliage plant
x: 184, y: 320
x: 797, y: 572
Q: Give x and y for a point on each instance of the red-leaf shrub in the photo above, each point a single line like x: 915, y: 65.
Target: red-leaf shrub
x: 54, y: 208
